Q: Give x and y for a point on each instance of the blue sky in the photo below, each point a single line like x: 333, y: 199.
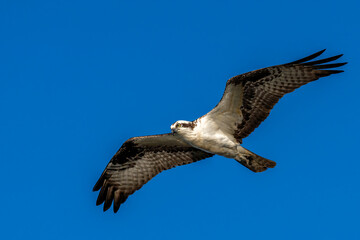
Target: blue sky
x: 78, y: 78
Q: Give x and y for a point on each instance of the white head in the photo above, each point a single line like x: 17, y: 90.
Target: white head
x: 182, y: 127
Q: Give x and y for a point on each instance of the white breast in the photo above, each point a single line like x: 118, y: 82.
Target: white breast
x: 210, y: 136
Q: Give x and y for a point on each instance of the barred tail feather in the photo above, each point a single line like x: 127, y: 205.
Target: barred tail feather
x: 254, y: 162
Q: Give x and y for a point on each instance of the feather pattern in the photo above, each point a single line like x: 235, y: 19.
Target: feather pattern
x: 248, y: 98
x: 138, y: 160
x: 247, y: 101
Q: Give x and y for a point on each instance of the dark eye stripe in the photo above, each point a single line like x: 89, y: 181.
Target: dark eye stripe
x: 188, y: 125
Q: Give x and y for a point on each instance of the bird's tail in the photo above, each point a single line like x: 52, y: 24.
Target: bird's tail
x: 252, y: 161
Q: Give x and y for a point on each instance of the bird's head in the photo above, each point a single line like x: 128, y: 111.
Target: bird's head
x: 182, y: 127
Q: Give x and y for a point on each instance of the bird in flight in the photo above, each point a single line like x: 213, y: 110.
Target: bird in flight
x: 247, y: 100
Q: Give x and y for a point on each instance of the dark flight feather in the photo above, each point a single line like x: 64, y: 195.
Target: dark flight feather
x: 138, y: 160
x: 262, y: 89
x: 248, y: 99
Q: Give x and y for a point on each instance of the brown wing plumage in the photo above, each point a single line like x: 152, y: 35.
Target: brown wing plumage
x: 258, y: 91
x: 138, y: 160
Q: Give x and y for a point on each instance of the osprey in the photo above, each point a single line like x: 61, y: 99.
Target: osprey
x: 246, y: 102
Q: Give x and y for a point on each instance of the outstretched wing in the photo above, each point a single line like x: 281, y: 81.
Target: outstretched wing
x: 249, y: 97
x: 138, y: 160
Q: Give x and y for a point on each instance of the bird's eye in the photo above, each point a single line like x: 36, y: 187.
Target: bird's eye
x: 178, y: 125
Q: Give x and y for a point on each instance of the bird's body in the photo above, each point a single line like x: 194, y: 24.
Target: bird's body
x: 209, y: 136
x: 246, y: 102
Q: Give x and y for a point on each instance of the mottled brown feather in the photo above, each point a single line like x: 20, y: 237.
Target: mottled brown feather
x: 262, y: 89
x: 137, y: 161
x: 140, y: 159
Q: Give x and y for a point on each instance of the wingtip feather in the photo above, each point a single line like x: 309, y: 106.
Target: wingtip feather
x: 308, y: 58
x: 119, y: 198
x: 109, y: 198
x: 96, y: 187
x: 325, y: 60
x: 102, y: 196
x: 331, y: 65
x: 100, y: 182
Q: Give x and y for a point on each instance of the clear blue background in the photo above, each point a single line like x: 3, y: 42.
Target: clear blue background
x: 78, y: 78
